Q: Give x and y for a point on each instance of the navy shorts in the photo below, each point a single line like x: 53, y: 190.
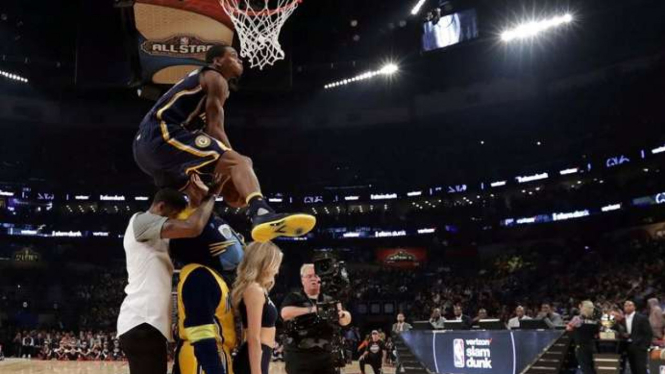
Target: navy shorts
x: 170, y: 153
x: 241, y: 362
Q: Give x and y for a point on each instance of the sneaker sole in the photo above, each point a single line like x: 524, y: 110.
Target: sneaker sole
x: 292, y: 226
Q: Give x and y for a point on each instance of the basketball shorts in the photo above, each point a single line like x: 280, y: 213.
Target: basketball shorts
x: 186, y: 362
x: 170, y: 153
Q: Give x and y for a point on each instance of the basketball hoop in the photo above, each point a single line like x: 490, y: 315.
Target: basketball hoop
x: 258, y: 23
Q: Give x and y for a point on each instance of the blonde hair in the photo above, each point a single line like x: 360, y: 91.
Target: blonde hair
x: 258, y: 260
x: 587, y: 308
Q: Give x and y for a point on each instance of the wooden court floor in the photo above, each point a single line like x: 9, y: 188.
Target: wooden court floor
x: 25, y: 366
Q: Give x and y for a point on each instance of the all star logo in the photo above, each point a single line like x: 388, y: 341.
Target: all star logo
x: 178, y: 46
x: 202, y: 141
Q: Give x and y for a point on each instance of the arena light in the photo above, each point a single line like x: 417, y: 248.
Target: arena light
x: 385, y: 196
x: 568, y: 171
x: 521, y: 221
x: 388, y: 69
x: 611, y: 207
x: 66, y: 234
x: 111, y: 198
x: 531, y: 178
x: 6, y: 193
x: 658, y: 150
x: 15, y: 77
x: 533, y: 28
x: 389, y: 234
x: 571, y: 215
x: 417, y: 7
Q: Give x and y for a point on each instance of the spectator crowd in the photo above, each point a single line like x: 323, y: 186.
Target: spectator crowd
x: 66, y: 346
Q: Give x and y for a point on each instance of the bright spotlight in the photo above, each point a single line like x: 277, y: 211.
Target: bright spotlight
x: 533, y: 28
x: 389, y: 69
x: 417, y: 7
x: 13, y: 76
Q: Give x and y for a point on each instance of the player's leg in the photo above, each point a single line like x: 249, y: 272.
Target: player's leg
x: 267, y: 224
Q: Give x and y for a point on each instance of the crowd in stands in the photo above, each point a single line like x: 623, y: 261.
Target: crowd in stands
x: 517, y: 283
x: 66, y: 346
x: 509, y: 285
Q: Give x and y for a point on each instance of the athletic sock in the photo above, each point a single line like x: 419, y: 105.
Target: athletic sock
x: 258, y: 206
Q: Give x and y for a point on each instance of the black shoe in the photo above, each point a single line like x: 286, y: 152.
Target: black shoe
x: 269, y: 226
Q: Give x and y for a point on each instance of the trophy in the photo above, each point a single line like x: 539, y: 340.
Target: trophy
x: 606, y: 332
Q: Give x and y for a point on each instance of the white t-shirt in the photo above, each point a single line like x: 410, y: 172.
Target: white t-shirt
x: 629, y: 322
x: 150, y: 274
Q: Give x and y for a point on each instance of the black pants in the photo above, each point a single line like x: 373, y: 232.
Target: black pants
x: 637, y: 358
x: 241, y: 362
x: 145, y: 348
x: 375, y: 364
x: 584, y: 355
x: 315, y: 361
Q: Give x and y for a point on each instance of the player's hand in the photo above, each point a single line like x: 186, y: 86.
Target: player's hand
x: 196, y: 181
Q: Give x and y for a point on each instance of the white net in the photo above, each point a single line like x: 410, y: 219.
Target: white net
x: 258, y: 23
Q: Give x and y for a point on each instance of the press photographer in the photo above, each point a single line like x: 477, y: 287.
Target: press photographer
x: 313, y: 320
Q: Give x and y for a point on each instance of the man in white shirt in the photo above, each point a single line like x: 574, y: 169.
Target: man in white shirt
x: 638, y: 335
x: 514, y: 323
x: 144, y: 322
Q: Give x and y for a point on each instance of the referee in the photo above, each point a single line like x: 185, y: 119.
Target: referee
x: 144, y: 322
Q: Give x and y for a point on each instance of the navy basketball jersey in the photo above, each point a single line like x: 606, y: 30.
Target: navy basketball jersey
x: 183, y: 104
x: 218, y: 247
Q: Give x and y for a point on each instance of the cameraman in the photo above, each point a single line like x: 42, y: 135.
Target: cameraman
x: 310, y: 354
x: 585, y: 328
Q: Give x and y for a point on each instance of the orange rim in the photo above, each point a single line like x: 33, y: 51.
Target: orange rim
x: 232, y: 6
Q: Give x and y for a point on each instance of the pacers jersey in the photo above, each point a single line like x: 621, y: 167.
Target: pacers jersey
x: 218, y: 247
x: 204, y: 312
x: 183, y: 104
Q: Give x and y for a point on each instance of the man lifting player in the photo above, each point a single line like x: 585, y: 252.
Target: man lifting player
x: 183, y: 134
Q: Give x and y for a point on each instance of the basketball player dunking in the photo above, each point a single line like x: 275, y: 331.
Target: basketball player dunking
x: 184, y: 134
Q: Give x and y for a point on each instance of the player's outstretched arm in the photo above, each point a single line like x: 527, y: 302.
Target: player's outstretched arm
x: 217, y: 90
x: 193, y: 226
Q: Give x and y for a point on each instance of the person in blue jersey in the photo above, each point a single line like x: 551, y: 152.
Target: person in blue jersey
x: 184, y: 134
x: 206, y: 325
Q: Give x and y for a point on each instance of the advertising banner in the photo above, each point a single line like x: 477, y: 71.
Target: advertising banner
x: 478, y: 352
